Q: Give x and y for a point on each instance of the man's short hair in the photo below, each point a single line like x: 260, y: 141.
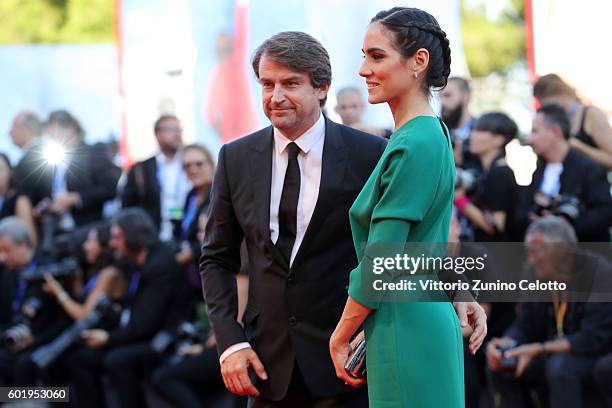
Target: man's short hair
x: 348, y: 89
x: 555, y: 115
x: 497, y: 123
x: 137, y: 227
x: 300, y: 52
x: 161, y: 119
x: 463, y: 83
x: 554, y: 228
x: 17, y: 231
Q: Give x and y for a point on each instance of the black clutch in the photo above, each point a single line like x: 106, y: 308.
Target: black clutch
x: 356, y: 364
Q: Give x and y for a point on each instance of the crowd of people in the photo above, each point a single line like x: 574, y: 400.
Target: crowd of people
x: 112, y: 303
x: 65, y: 260
x: 568, y: 200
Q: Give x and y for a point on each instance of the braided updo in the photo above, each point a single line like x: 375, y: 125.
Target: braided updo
x: 412, y: 29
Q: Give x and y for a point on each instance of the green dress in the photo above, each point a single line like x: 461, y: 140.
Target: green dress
x: 414, y: 349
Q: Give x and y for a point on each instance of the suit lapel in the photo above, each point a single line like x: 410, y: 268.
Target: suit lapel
x: 332, y: 173
x: 261, y: 182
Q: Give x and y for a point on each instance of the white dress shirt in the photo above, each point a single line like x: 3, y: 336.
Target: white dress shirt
x: 551, y: 183
x: 174, y: 187
x: 310, y: 159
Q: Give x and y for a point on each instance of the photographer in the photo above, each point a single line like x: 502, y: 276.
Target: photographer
x: 101, y: 277
x: 490, y: 208
x: 152, y: 275
x: 66, y: 177
x: 565, y: 182
x: 37, y: 318
x: 102, y: 280
x: 182, y: 380
x: 552, y: 343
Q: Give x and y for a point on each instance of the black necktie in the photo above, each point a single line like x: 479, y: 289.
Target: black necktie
x: 287, y: 210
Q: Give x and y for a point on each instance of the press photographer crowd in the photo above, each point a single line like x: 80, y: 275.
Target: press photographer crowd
x: 100, y: 285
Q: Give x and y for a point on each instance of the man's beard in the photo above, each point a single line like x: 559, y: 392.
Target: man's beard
x: 452, y: 117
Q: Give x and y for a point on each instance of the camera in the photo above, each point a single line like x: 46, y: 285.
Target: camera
x: 21, y: 329
x: 508, y: 364
x: 566, y: 206
x: 105, y: 310
x: 66, y: 268
x: 466, y: 179
x: 187, y: 334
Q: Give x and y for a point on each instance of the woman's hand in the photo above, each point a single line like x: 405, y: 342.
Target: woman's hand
x: 340, y: 350
x: 52, y: 286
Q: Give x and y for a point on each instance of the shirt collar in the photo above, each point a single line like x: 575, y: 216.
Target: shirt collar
x: 162, y: 160
x: 306, y: 141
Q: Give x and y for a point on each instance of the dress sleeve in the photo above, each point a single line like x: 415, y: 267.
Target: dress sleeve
x: 408, y: 185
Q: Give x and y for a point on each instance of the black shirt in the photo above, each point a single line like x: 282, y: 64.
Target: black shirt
x: 498, y: 192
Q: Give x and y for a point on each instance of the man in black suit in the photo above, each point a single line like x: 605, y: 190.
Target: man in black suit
x: 286, y: 190
x: 74, y: 177
x: 159, y: 184
x: 153, y: 276
x: 565, y: 182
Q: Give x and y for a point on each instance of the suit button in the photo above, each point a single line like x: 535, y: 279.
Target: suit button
x: 292, y: 321
x: 289, y: 281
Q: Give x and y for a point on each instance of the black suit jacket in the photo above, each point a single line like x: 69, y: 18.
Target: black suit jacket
x: 142, y: 189
x: 152, y: 303
x: 291, y: 312
x: 586, y: 180
x: 90, y: 174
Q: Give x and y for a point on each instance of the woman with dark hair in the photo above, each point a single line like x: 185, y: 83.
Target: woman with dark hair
x: 490, y: 207
x: 414, y: 349
x: 101, y: 278
x: 12, y: 203
x: 590, y: 129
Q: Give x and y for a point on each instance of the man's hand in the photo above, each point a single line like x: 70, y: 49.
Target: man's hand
x: 26, y: 342
x: 494, y: 356
x: 95, y: 338
x: 472, y: 315
x: 64, y: 203
x: 234, y: 370
x: 525, y: 354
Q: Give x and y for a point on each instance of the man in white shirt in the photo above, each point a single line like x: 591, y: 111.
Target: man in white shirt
x: 566, y: 182
x: 159, y: 184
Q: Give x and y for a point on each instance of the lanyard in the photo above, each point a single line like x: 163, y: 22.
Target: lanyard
x: 21, y: 290
x: 192, y: 210
x: 560, y: 309
x: 134, y: 284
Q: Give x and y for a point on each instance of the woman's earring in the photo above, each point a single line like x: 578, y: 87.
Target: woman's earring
x: 415, y: 75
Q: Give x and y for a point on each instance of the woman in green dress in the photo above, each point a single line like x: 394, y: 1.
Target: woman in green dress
x: 414, y: 349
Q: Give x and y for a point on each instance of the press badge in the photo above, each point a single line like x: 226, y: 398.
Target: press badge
x: 125, y: 317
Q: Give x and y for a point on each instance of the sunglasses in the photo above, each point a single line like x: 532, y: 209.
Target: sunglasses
x: 197, y: 164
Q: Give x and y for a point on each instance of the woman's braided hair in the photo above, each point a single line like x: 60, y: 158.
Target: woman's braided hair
x: 412, y: 29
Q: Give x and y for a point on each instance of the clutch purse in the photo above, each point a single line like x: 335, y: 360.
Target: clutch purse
x: 356, y: 364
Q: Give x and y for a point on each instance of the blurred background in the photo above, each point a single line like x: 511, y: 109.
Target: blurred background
x: 119, y: 64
